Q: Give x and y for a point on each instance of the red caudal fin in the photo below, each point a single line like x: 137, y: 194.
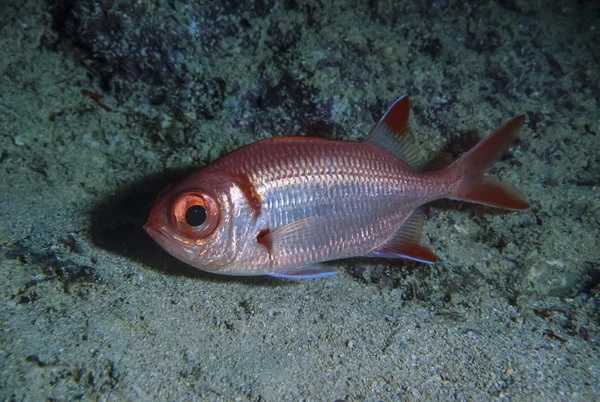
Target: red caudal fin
x: 470, y: 169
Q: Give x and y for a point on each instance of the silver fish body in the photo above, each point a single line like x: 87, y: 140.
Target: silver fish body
x: 281, y: 206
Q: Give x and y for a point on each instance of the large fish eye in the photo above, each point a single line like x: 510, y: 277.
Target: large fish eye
x: 195, y: 215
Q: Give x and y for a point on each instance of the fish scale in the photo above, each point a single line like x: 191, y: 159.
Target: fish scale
x: 304, y: 196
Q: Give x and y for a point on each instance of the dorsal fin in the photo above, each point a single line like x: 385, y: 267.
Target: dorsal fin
x: 393, y: 133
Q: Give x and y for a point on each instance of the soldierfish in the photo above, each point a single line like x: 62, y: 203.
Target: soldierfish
x: 281, y: 206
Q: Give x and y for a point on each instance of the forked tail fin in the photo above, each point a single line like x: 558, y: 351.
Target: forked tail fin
x: 470, y: 169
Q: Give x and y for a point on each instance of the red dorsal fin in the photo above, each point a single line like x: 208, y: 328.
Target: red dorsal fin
x: 406, y: 243
x: 393, y: 133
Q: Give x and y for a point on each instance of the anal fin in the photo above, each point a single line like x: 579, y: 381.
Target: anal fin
x: 406, y: 243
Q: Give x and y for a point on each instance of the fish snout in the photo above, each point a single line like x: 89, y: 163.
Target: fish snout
x: 156, y: 233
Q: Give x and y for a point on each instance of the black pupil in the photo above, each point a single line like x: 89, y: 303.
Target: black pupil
x: 195, y: 215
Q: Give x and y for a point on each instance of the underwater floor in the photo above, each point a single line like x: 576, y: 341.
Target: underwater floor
x: 104, y: 103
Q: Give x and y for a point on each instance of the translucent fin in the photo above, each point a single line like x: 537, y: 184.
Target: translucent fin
x: 476, y: 186
x: 305, y: 272
x: 393, y: 133
x: 286, y: 239
x: 294, y: 233
x: 406, y: 243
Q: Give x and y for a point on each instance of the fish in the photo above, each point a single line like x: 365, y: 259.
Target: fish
x: 282, y: 206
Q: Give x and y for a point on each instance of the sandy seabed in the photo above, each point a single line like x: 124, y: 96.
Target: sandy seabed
x: 92, y: 309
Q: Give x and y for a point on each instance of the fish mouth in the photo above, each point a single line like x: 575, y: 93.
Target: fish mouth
x: 184, y: 252
x: 157, y: 234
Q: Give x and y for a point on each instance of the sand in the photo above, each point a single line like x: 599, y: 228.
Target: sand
x: 92, y: 309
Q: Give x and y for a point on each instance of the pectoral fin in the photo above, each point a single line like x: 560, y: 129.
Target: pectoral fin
x: 290, y: 239
x: 291, y: 235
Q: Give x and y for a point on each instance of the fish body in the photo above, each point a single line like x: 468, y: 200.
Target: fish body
x: 282, y: 206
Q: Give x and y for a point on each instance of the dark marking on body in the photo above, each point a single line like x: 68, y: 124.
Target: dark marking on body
x: 250, y: 193
x: 263, y: 239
